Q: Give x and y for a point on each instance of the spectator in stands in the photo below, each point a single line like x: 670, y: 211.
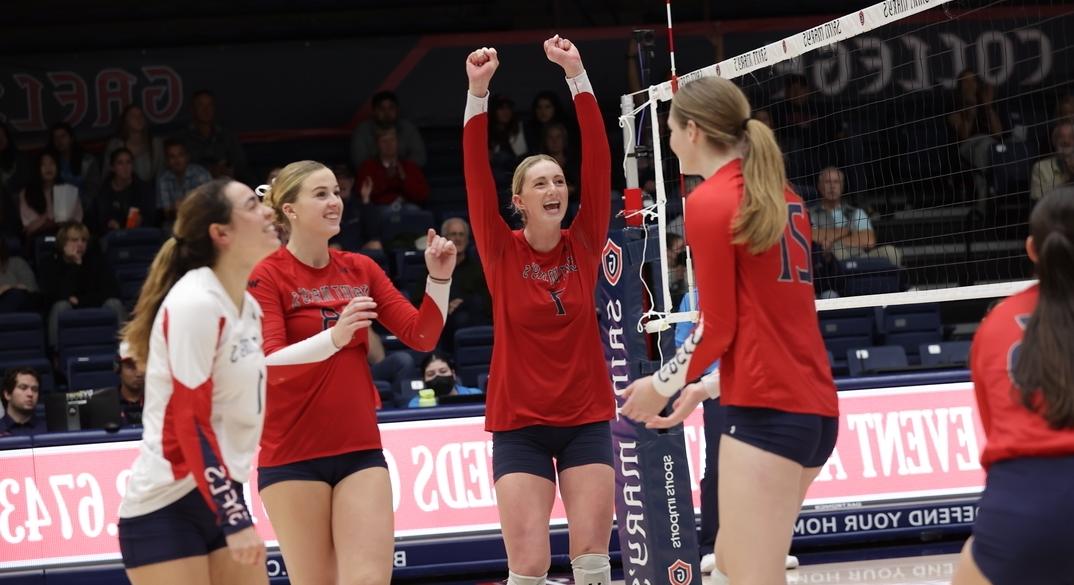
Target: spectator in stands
x: 359, y: 227
x: 18, y: 286
x: 842, y: 230
x: 77, y: 168
x: 75, y: 279
x: 47, y: 200
x: 507, y: 139
x: 1053, y: 171
x: 131, y: 386
x: 470, y: 304
x: 364, y: 141
x: 13, y: 165
x: 21, y: 390
x: 125, y: 201
x: 438, y: 373
x: 180, y: 178
x: 976, y: 127
x: 209, y: 144
x: 133, y: 133
x: 546, y: 110
x: 390, y: 179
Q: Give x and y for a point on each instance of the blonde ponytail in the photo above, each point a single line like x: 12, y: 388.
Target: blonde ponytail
x: 722, y: 113
x: 762, y: 216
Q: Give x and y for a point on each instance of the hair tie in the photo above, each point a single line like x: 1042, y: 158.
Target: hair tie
x: 263, y: 190
x: 746, y: 123
x: 178, y: 241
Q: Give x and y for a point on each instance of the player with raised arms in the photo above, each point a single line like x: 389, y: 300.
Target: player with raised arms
x: 183, y: 518
x: 751, y: 240
x: 549, y: 392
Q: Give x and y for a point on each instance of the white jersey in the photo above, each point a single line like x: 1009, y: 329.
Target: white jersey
x: 204, y: 402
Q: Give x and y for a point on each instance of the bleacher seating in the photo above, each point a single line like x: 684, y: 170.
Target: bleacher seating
x: 92, y: 372
x: 945, y: 353
x: 846, y: 329
x: 911, y: 326
x: 22, y: 343
x: 876, y: 359
x: 85, y: 332
x: 473, y: 353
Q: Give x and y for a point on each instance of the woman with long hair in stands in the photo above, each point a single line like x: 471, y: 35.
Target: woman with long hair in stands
x: 1022, y: 365
x: 322, y: 473
x: 197, y: 331
x: 751, y: 239
x: 549, y: 392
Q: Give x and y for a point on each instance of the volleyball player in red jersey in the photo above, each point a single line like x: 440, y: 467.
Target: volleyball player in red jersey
x: 1022, y: 364
x: 321, y: 472
x: 549, y: 393
x: 751, y: 240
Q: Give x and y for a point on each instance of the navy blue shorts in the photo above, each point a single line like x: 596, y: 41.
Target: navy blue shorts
x: 331, y: 469
x: 182, y: 529
x: 542, y: 450
x: 806, y: 439
x: 1024, y: 531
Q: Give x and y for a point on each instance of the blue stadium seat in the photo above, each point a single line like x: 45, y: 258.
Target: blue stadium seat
x: 869, y: 276
x: 22, y: 344
x: 399, y: 229
x: 473, y: 353
x: 130, y: 278
x: 867, y: 360
x: 945, y: 353
x: 846, y: 329
x: 86, y: 332
x: 912, y: 326
x: 146, y: 236
x: 409, y: 268
x: 90, y: 372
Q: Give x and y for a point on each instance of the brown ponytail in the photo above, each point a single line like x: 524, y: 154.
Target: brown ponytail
x: 722, y: 113
x: 1045, y: 366
x: 190, y: 247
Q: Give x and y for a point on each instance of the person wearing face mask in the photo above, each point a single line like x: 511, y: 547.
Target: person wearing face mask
x: 549, y: 392
x: 438, y: 372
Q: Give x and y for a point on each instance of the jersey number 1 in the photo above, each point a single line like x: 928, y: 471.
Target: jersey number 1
x: 802, y: 275
x: 558, y: 301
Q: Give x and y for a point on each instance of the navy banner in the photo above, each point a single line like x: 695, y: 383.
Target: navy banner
x: 653, y: 503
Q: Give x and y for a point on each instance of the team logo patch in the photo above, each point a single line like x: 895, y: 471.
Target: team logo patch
x: 784, y: 45
x: 612, y: 261
x: 680, y: 572
x: 717, y: 69
x: 861, y: 17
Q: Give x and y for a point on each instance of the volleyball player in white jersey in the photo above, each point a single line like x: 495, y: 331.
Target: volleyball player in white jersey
x: 183, y: 518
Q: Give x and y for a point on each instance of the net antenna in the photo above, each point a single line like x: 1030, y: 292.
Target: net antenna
x: 943, y: 270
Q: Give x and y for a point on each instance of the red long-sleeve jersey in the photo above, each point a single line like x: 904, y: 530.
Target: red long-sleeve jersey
x: 758, y: 316
x: 1012, y: 429
x: 547, y: 360
x: 321, y: 401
